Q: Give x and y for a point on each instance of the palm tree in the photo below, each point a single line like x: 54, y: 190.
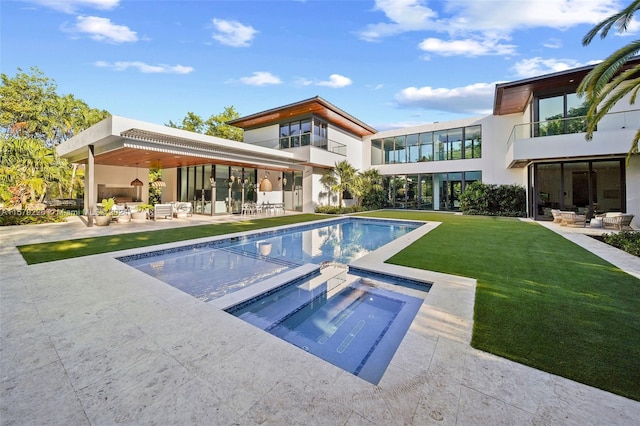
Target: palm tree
x: 329, y: 181
x: 371, y: 189
x: 607, y: 83
x: 346, y: 179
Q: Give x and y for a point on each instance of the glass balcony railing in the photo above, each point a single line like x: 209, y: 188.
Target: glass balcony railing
x: 569, y: 125
x: 303, y: 140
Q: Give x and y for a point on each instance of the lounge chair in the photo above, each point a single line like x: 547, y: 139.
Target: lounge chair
x: 557, y: 217
x: 616, y: 220
x: 573, y: 220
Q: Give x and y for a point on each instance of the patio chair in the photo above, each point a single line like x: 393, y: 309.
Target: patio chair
x: 162, y: 211
x: 557, y: 217
x: 617, y: 221
x: 182, y: 209
x: 573, y: 220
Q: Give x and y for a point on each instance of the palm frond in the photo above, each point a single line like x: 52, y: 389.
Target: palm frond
x: 620, y: 20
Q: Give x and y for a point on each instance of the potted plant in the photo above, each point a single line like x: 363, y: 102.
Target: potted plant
x: 104, y: 212
x: 141, y: 211
x: 123, y: 215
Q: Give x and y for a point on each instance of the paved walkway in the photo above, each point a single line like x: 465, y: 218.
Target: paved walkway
x: 93, y: 341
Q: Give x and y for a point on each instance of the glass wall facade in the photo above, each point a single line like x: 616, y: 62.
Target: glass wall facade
x: 585, y: 187
x: 559, y: 114
x: 308, y: 131
x: 449, y: 144
x: 428, y: 191
x: 217, y: 189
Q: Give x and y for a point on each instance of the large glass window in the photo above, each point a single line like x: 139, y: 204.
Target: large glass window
x: 305, y: 132
x: 389, y: 151
x: 426, y: 146
x: 440, y: 145
x: 585, y: 187
x: 376, y: 152
x: 401, y: 149
x: 454, y: 139
x: 413, y: 148
x: 560, y: 114
x: 473, y: 142
x: 447, y: 144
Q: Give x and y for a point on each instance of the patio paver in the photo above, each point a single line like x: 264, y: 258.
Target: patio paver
x: 93, y: 341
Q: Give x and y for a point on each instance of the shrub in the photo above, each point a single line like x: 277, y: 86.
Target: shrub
x: 337, y: 210
x: 493, y: 200
x: 628, y: 241
x: 29, y: 217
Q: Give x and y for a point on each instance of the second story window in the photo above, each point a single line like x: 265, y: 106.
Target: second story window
x: 559, y: 114
x: 299, y: 133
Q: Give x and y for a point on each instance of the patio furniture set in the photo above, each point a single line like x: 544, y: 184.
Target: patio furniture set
x: 611, y: 220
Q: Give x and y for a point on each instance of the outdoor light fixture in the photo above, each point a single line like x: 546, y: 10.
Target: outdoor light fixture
x: 136, y: 181
x: 265, y: 184
x: 158, y: 183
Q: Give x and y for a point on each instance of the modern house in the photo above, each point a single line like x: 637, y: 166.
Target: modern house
x: 535, y: 138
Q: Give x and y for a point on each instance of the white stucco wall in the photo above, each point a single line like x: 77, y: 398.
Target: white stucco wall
x: 113, y: 177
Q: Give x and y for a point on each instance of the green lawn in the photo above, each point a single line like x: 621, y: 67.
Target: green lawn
x: 541, y: 300
x: 58, y: 250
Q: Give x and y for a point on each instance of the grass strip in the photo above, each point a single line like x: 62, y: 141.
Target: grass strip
x: 67, y: 249
x: 540, y: 299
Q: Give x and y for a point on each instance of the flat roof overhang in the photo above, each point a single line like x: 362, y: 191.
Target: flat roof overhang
x: 313, y: 106
x: 123, y: 142
x: 513, y: 97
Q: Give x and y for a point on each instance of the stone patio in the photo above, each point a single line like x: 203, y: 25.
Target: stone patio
x: 93, y: 341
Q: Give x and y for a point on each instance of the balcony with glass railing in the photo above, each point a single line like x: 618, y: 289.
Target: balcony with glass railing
x: 564, y: 137
x: 570, y: 125
x: 303, y: 140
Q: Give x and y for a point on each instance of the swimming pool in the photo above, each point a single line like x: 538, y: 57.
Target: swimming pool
x: 213, y: 269
x: 348, y: 319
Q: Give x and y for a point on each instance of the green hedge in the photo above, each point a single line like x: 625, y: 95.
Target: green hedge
x: 494, y: 200
x: 628, y: 241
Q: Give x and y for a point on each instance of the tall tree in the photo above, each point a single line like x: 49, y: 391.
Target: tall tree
x: 607, y: 83
x: 33, y: 120
x: 215, y: 125
x: 31, y: 108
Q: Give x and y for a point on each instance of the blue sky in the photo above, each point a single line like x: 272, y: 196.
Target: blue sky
x: 389, y: 63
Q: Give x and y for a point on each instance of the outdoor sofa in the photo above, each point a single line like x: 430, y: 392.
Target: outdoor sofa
x: 616, y: 220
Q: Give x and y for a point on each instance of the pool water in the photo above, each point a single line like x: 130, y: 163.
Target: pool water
x: 348, y: 320
x: 211, y: 270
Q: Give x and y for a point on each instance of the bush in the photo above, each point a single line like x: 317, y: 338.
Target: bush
x: 628, y: 241
x: 337, y: 210
x: 29, y: 217
x: 493, y: 200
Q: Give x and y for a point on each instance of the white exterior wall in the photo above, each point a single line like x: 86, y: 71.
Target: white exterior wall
x: 353, y: 145
x: 113, y: 177
x: 267, y: 137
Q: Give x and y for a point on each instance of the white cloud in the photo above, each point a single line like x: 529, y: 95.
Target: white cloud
x: 71, y: 6
x: 145, y: 68
x: 467, y: 47
x: 539, y: 66
x: 102, y: 29
x: 261, y: 78
x: 473, y: 99
x: 405, y: 15
x: 233, y: 33
x: 509, y: 15
x: 552, y: 43
x: 480, y: 27
x: 335, y: 81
